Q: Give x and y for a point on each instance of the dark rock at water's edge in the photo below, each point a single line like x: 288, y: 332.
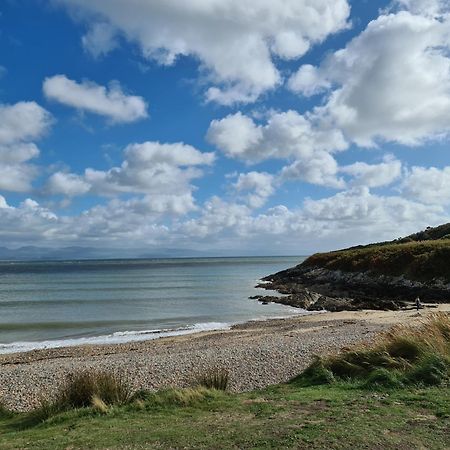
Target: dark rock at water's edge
x: 385, y: 276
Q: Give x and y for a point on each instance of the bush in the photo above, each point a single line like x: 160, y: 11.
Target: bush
x: 412, y: 354
x: 4, y: 411
x: 96, y: 389
x: 315, y: 374
x: 81, y: 388
x: 171, y: 397
x: 404, y: 347
x: 383, y: 378
x: 431, y: 371
x: 214, y: 379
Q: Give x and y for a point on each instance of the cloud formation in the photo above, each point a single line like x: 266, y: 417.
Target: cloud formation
x: 100, y: 39
x: 20, y: 124
x: 284, y: 135
x: 428, y: 184
x: 255, y: 187
x: 109, y: 102
x: 235, y: 41
x: 162, y: 172
x: 391, y: 82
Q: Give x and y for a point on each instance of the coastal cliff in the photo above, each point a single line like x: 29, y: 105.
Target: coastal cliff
x: 386, y: 275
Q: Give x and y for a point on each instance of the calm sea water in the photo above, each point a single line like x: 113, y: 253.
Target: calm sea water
x: 51, y: 304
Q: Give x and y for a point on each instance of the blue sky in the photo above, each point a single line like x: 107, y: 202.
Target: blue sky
x: 224, y: 127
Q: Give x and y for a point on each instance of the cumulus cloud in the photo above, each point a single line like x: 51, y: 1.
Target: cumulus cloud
x: 429, y: 185
x: 321, y: 169
x: 23, y: 122
x: 163, y: 172
x: 255, y: 187
x: 109, y: 102
x: 431, y: 8
x: 19, y: 125
x: 349, y: 217
x: 100, y: 39
x: 391, y: 82
x: 285, y: 135
x: 302, y: 140
x: 67, y: 184
x: 374, y: 175
x: 359, y: 208
x: 235, y: 41
x: 309, y: 81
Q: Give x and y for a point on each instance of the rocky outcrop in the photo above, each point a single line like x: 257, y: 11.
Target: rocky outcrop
x: 316, y: 288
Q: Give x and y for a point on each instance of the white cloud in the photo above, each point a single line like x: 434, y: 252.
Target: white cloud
x: 347, y: 218
x: 431, y: 8
x: 23, y: 122
x: 67, y: 184
x: 100, y: 39
x: 391, y: 82
x: 17, y: 177
x: 285, y: 135
x: 359, y: 209
x: 163, y: 172
x: 374, y: 175
x: 429, y: 185
x: 236, y: 135
x: 308, y: 80
x: 256, y: 187
x: 234, y: 40
x: 19, y: 124
x: 321, y: 169
x: 109, y: 102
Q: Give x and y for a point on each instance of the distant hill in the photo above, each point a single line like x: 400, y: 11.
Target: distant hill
x: 35, y: 253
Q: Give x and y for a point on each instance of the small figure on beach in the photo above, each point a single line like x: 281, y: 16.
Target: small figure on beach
x: 418, y: 304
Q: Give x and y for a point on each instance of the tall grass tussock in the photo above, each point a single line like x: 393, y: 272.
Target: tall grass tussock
x: 99, y: 390
x: 406, y: 355
x: 216, y: 378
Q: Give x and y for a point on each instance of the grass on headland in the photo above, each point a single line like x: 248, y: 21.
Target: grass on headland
x: 340, y: 409
x: 421, y: 261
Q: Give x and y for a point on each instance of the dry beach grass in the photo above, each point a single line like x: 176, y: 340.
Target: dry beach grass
x: 255, y: 354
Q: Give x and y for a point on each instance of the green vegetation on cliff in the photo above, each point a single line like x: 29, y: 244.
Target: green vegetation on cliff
x: 420, y: 257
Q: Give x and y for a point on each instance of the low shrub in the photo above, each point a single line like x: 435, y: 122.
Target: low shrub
x: 315, y: 374
x: 406, y: 354
x: 4, y: 411
x: 404, y: 347
x: 85, y: 389
x: 432, y: 370
x: 82, y: 387
x: 383, y: 378
x: 171, y: 397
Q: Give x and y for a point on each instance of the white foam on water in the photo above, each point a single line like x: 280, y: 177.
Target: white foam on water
x: 118, y: 337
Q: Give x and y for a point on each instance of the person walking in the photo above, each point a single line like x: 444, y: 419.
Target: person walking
x: 418, y: 304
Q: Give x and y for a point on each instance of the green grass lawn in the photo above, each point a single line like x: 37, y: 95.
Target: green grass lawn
x: 339, y: 416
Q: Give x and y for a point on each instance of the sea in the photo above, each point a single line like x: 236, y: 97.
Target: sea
x: 49, y: 304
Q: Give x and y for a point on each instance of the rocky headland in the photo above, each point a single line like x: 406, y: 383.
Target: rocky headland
x: 381, y: 276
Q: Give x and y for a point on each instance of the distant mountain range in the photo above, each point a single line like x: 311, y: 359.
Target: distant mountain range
x: 65, y: 253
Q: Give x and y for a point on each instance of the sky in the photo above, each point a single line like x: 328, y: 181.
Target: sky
x: 222, y: 127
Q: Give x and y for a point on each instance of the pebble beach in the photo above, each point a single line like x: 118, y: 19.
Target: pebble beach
x: 256, y: 354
